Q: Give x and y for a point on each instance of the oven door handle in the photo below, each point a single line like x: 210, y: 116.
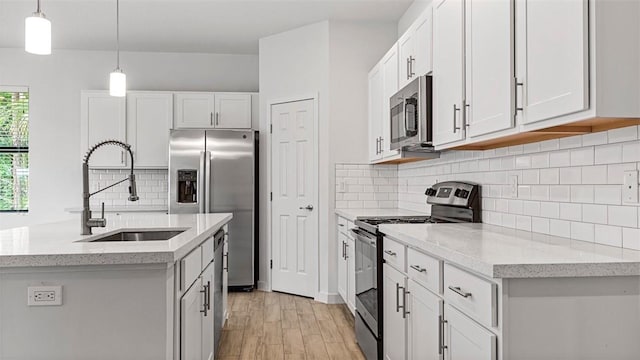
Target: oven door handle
x: 360, y: 233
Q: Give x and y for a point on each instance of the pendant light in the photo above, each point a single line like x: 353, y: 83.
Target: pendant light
x: 117, y: 78
x: 37, y: 33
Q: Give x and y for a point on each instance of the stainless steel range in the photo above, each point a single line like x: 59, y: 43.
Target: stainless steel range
x: 450, y: 201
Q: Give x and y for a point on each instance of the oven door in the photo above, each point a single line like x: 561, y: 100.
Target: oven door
x: 366, y: 257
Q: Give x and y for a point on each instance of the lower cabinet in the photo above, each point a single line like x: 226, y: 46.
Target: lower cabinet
x: 465, y: 339
x: 225, y: 278
x: 196, y: 330
x: 346, y: 266
x: 394, y: 301
x: 423, y: 323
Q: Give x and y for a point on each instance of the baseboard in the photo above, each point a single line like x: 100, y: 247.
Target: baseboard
x: 263, y: 286
x: 329, y: 298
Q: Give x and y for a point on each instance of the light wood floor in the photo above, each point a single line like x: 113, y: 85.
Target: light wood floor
x: 276, y: 326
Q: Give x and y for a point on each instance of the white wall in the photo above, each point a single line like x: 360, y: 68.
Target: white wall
x: 331, y: 59
x: 412, y: 13
x: 55, y: 82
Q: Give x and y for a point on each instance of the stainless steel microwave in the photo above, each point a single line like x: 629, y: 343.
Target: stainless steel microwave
x: 411, y: 116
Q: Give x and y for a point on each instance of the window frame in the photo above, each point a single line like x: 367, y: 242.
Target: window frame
x: 18, y: 150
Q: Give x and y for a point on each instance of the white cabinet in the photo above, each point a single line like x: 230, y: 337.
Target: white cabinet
x: 208, y: 318
x: 415, y: 49
x: 351, y: 273
x: 103, y: 117
x: 232, y: 111
x: 375, y: 114
x: 394, y: 304
x: 191, y: 305
x: 465, y: 339
x: 346, y: 264
x: 553, y: 58
x: 212, y: 110
x: 149, y: 119
x: 489, y: 105
x: 225, y: 278
x: 423, y: 323
x: 194, y: 110
x: 448, y: 71
x: 342, y: 266
x: 389, y: 88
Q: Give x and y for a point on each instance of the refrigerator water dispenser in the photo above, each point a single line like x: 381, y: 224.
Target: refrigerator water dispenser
x: 187, y: 186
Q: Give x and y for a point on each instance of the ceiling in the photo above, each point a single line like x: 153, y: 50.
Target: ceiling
x: 213, y: 26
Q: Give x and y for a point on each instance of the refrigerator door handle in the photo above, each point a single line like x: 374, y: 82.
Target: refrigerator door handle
x: 201, y: 189
x: 207, y: 181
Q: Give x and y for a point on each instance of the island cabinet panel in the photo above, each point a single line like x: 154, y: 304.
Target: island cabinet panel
x: 191, y: 323
x: 190, y: 268
x: 465, y: 339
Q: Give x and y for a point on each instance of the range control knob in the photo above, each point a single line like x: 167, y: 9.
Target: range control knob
x: 430, y: 192
x: 461, y: 193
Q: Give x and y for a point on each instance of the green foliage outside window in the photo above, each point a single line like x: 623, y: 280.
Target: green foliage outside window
x: 14, y: 150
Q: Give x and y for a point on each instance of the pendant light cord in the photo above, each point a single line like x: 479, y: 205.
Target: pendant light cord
x: 38, y: 10
x: 117, y: 33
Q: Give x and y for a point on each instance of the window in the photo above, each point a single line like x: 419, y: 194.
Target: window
x: 14, y: 149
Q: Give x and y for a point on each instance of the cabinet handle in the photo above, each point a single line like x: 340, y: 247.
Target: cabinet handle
x: 411, y: 61
x: 516, y: 95
x: 418, y: 268
x: 398, y: 297
x: 346, y: 253
x: 208, y: 295
x: 390, y: 253
x: 458, y: 291
x: 204, y: 306
x: 404, y: 303
x: 441, y: 323
x: 455, y: 118
x: 408, y: 68
x: 211, y: 118
x: 378, y: 146
x: 342, y: 225
x: 217, y: 118
x: 122, y: 157
x: 381, y: 142
x: 226, y: 262
x: 465, y: 118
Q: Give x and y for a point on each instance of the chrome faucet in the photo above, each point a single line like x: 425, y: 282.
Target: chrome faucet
x: 87, y: 221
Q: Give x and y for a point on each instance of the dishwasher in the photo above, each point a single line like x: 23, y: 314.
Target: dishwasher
x: 218, y: 241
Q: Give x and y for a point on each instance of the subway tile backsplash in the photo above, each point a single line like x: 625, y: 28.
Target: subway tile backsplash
x: 570, y: 187
x: 366, y: 186
x: 151, y: 186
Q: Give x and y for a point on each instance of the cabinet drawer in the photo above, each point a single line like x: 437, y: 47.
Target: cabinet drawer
x: 424, y: 269
x: 207, y: 252
x: 476, y: 297
x: 190, y: 268
x: 393, y: 253
x: 342, y: 225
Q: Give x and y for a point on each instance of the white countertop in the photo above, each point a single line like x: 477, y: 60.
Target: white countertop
x: 353, y: 214
x: 499, y: 252
x: 60, y: 244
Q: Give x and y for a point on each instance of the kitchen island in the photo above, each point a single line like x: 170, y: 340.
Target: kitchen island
x: 118, y: 299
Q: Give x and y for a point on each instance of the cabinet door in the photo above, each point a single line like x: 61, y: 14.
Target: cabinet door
x: 422, y: 43
x: 193, y: 110
x: 342, y: 266
x: 103, y: 118
x: 149, y: 118
x: 448, y: 71
x: 191, y: 323
x: 553, y: 57
x: 395, y: 332
x: 489, y: 63
x: 208, y: 348
x: 376, y: 115
x: 389, y: 88
x: 351, y: 274
x: 225, y: 278
x: 406, y: 58
x: 423, y: 323
x: 465, y: 339
x: 232, y: 111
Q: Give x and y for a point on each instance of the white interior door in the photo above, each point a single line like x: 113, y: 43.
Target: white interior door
x: 295, y: 198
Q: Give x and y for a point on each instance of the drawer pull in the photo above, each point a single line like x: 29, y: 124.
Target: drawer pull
x: 458, y: 291
x: 390, y: 253
x: 418, y: 268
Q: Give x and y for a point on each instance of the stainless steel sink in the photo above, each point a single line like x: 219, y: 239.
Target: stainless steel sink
x: 147, y: 235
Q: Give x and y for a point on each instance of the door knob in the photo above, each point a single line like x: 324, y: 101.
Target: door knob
x: 308, y: 207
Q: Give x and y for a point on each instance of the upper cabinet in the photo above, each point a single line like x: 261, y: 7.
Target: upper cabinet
x: 415, y: 49
x: 553, y: 58
x: 149, y: 119
x: 103, y: 117
x: 203, y: 110
x: 375, y: 113
x: 389, y: 88
x: 448, y: 71
x: 232, y: 111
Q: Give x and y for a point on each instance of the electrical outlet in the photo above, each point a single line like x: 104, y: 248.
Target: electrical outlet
x: 513, y: 186
x: 630, y: 187
x: 342, y: 186
x: 44, y: 295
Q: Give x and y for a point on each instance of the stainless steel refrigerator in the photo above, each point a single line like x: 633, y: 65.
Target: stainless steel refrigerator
x: 213, y: 171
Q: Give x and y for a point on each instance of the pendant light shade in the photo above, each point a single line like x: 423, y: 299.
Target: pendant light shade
x: 117, y: 78
x: 37, y: 33
x: 117, y: 83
